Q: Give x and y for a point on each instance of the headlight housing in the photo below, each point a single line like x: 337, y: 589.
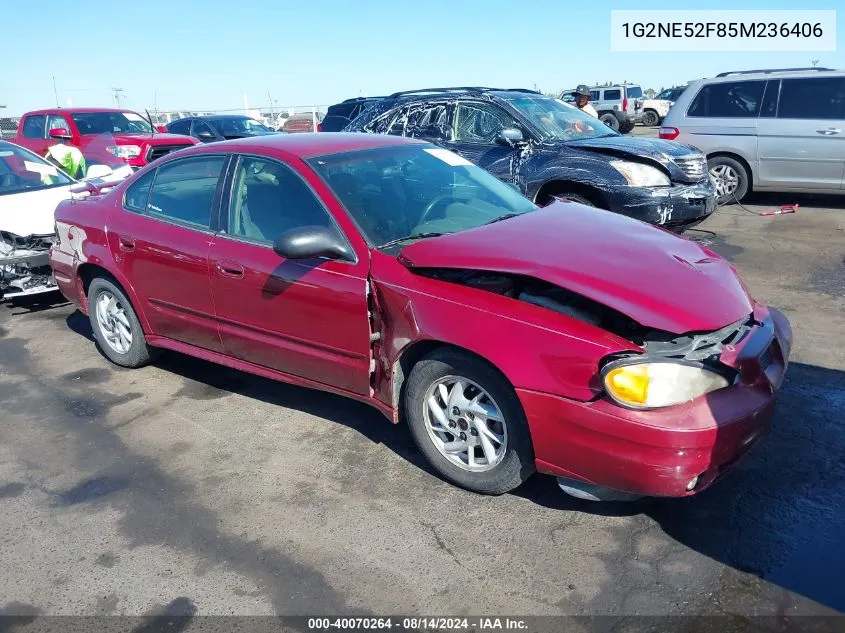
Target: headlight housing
x: 124, y: 151
x: 649, y: 384
x: 640, y: 175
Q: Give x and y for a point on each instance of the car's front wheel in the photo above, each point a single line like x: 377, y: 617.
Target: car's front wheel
x: 466, y: 419
x: 115, y: 325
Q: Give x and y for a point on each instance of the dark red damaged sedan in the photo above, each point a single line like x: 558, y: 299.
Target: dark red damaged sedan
x: 568, y: 340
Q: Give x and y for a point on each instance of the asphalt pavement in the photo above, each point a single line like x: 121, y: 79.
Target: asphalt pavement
x: 184, y: 487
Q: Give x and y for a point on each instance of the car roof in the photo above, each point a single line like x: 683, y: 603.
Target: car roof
x: 308, y: 145
x: 77, y: 110
x: 774, y: 73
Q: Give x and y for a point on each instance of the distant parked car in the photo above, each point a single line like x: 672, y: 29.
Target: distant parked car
x: 620, y: 107
x: 509, y: 338
x: 550, y: 150
x: 656, y: 109
x: 766, y: 130
x: 342, y: 114
x: 104, y: 135
x: 303, y: 122
x: 218, y: 127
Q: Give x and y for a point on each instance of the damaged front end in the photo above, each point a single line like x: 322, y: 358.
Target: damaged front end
x: 25, y: 265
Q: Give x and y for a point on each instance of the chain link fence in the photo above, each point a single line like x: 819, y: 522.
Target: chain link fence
x: 8, y: 127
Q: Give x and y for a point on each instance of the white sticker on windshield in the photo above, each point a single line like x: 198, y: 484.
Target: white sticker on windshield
x: 450, y: 158
x: 38, y: 168
x: 133, y: 117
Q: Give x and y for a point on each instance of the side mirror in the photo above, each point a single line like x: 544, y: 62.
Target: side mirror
x: 510, y: 136
x: 205, y: 136
x: 161, y: 128
x: 60, y: 133
x: 308, y: 242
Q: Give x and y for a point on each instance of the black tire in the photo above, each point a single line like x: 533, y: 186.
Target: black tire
x: 138, y: 353
x: 610, y: 120
x: 742, y: 175
x: 515, y: 466
x: 626, y: 127
x: 650, y: 118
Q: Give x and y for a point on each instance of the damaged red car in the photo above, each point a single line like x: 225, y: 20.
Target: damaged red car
x: 511, y: 339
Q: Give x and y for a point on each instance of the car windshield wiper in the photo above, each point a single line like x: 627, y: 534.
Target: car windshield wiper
x: 507, y: 216
x: 414, y: 236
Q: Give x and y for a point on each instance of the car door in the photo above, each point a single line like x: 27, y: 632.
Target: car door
x: 34, y: 134
x: 801, y: 144
x: 475, y: 131
x: 160, y: 242
x: 307, y: 318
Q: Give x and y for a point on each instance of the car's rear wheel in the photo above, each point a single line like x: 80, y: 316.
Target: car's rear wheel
x: 467, y: 421
x: 115, y: 325
x: 729, y: 177
x: 627, y: 127
x: 650, y: 118
x: 610, y: 120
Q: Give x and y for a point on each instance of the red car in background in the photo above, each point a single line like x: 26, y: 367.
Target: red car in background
x: 104, y: 135
x: 510, y: 338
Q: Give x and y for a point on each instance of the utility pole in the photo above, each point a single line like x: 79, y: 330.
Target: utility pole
x: 117, y: 92
x: 55, y: 92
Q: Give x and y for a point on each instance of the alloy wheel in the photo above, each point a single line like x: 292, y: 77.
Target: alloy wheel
x: 113, y: 322
x: 725, y: 178
x: 465, y: 424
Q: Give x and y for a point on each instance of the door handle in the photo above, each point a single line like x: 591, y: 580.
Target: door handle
x: 126, y: 243
x: 228, y: 268
x: 829, y: 131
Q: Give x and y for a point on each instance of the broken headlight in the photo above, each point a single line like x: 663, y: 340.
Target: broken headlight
x: 649, y: 384
x: 640, y: 175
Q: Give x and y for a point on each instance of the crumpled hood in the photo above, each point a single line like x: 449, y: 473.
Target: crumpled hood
x: 32, y: 212
x: 658, y: 279
x: 655, y: 149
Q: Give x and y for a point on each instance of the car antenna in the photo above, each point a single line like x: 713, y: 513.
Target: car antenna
x: 150, y: 121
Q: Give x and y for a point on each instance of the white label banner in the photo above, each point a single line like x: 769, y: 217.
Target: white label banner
x: 713, y: 31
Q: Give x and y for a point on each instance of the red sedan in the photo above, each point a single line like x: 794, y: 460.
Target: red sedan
x: 511, y: 339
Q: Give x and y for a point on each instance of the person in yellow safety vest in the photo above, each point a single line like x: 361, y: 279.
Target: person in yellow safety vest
x: 67, y: 158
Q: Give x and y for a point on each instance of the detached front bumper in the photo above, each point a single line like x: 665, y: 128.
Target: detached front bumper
x: 672, y: 452
x: 675, y: 207
x: 25, y: 272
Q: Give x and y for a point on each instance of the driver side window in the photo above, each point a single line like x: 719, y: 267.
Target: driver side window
x: 269, y: 199
x: 480, y: 122
x: 201, y: 129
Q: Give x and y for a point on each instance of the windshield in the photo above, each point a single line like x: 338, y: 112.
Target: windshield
x: 91, y: 123
x: 241, y: 126
x: 397, y: 192
x: 634, y: 92
x: 22, y: 171
x: 666, y: 95
x: 558, y: 121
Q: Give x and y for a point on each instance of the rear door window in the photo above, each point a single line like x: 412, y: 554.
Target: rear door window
x: 428, y: 121
x: 612, y: 95
x: 730, y: 100
x: 33, y: 126
x: 812, y: 98
x: 183, y: 190
x: 634, y: 92
x: 182, y: 126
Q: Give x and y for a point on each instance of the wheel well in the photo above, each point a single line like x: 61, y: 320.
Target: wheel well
x: 88, y: 272
x: 556, y: 187
x: 741, y: 161
x: 411, y: 355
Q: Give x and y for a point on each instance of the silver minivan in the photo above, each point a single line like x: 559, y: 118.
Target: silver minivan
x: 766, y: 130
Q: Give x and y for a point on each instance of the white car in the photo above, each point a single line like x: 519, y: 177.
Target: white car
x: 655, y: 110
x: 30, y: 190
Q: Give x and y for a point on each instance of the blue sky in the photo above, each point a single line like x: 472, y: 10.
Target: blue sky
x: 204, y: 55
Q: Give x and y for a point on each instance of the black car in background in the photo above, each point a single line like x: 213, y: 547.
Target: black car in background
x: 550, y: 150
x: 342, y: 114
x: 218, y: 127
